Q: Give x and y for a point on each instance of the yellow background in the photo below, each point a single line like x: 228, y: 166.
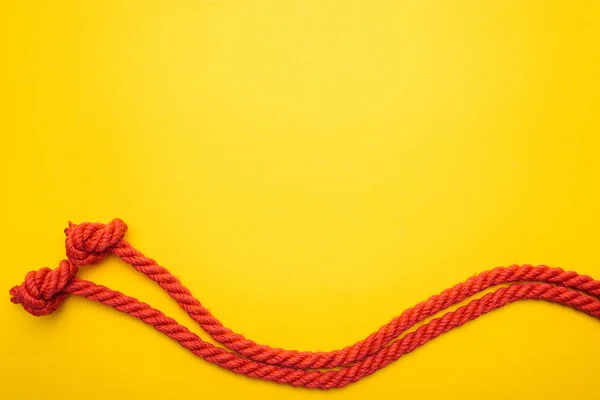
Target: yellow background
x: 309, y: 169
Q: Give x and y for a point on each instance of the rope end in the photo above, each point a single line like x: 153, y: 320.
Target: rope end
x: 15, y: 296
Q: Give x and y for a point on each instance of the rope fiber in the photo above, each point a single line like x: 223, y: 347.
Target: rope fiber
x: 42, y: 292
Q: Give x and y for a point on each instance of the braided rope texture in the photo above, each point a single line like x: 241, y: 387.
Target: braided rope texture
x: 43, y: 291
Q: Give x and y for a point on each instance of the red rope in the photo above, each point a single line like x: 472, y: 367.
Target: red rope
x: 44, y: 290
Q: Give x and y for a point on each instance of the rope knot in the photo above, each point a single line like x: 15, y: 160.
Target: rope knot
x: 88, y: 243
x: 42, y: 291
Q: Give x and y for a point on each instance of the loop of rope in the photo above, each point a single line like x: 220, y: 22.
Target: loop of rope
x: 43, y: 291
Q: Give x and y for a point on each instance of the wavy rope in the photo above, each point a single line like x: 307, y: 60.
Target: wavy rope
x: 44, y: 290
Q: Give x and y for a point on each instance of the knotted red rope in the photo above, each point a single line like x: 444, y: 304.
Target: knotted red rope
x: 42, y: 292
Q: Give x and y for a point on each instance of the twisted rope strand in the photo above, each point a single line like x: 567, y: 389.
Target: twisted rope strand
x: 347, y: 375
x: 83, y: 247
x: 44, y: 290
